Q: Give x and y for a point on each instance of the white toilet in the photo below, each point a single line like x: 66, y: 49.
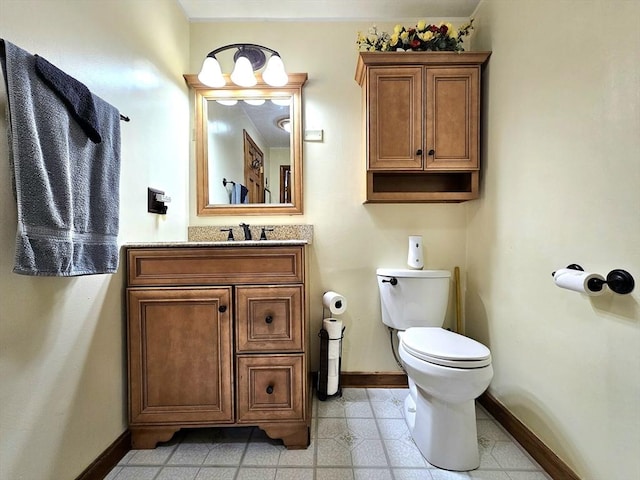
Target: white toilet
x: 446, y: 371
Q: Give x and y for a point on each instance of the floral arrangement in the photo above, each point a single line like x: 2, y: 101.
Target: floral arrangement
x: 422, y: 37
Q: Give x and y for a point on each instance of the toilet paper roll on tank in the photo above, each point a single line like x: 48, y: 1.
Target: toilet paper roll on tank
x: 579, y: 281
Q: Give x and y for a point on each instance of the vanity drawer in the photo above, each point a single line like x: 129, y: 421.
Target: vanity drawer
x: 270, y: 388
x: 215, y: 265
x: 269, y: 319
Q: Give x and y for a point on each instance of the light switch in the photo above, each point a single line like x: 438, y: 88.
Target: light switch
x: 313, y: 135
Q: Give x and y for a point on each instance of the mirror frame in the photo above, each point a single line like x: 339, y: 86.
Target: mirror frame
x: 204, y: 93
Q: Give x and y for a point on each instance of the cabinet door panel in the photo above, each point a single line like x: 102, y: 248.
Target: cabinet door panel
x: 180, y: 365
x: 452, y: 116
x: 395, y: 118
x: 269, y: 319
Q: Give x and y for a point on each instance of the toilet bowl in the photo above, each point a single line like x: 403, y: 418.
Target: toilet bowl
x: 446, y: 371
x: 440, y: 407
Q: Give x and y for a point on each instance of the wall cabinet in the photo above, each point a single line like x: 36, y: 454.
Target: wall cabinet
x: 422, y: 124
x: 217, y: 336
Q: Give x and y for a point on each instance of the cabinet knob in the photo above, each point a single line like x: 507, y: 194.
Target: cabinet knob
x: 268, y: 319
x: 270, y: 389
x: 222, y: 308
x: 432, y: 152
x: 419, y: 151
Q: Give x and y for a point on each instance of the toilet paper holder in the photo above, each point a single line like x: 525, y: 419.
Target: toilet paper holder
x: 618, y: 280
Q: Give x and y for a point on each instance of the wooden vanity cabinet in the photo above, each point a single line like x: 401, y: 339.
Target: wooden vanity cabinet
x: 217, y: 337
x: 422, y: 124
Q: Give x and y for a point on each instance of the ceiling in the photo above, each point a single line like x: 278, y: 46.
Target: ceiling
x: 325, y: 9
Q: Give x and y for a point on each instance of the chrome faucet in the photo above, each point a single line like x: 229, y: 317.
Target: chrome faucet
x: 247, y: 231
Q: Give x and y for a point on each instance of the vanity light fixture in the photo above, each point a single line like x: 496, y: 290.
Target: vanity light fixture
x: 248, y: 58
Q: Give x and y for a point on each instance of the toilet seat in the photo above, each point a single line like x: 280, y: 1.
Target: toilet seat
x: 442, y: 347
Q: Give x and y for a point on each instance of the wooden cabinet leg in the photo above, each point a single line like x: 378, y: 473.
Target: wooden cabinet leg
x: 148, y: 437
x: 294, y: 437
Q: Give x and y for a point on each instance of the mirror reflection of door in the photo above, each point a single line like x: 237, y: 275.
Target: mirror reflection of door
x: 285, y: 183
x: 253, y: 169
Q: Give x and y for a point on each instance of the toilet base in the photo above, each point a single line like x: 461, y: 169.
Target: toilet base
x: 445, y: 433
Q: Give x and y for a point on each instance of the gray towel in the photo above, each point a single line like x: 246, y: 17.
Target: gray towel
x: 67, y: 187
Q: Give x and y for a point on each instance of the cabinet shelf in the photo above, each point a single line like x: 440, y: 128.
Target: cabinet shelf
x: 412, y: 187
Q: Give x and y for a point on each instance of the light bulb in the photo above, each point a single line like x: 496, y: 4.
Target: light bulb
x: 282, y: 102
x: 242, y: 74
x: 211, y: 73
x: 254, y: 101
x: 274, y: 74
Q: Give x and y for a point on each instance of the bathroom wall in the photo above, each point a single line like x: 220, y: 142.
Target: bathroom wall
x: 561, y: 185
x: 62, y: 355
x: 351, y: 239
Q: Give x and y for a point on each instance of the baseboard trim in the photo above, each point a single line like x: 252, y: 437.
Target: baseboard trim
x: 373, y: 380
x: 102, y: 465
x: 542, y: 454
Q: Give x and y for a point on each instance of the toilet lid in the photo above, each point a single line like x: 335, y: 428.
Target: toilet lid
x: 442, y: 347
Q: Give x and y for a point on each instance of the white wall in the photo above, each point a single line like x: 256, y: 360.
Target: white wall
x: 62, y: 340
x: 561, y: 185
x: 350, y: 239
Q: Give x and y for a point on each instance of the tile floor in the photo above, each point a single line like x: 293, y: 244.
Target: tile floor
x: 359, y: 436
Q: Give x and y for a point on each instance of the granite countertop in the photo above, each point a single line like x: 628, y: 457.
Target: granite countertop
x: 216, y: 236
x: 299, y: 233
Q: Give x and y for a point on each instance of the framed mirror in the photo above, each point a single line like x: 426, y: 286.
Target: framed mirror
x: 248, y: 147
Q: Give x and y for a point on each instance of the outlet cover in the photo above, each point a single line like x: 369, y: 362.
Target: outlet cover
x: 153, y: 206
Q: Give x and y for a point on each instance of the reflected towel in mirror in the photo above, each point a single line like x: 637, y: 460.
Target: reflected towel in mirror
x: 239, y: 194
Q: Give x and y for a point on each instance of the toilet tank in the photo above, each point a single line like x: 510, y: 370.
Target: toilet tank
x: 413, y: 298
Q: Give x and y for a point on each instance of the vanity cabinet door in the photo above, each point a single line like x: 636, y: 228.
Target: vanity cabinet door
x: 271, y: 388
x: 180, y: 356
x: 269, y: 319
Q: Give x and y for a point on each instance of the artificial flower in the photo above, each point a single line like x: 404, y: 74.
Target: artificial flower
x: 422, y: 37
